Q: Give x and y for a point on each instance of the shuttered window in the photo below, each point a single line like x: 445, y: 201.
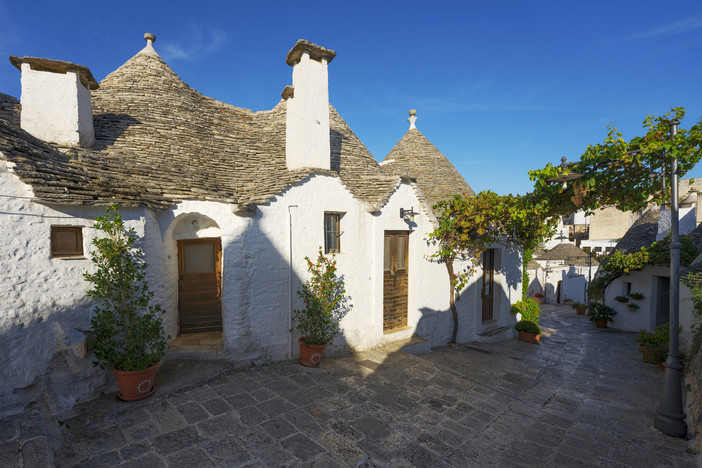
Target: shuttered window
x: 66, y: 241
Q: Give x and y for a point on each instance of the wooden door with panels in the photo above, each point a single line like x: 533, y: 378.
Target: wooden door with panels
x: 200, y: 285
x: 488, y: 292
x: 395, y: 279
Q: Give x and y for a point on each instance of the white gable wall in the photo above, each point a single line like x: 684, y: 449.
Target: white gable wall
x: 44, y: 311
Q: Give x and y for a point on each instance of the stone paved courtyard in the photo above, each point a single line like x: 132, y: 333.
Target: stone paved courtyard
x: 580, y: 398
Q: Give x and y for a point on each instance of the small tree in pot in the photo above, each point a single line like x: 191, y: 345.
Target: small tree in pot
x: 128, y: 330
x: 325, y: 305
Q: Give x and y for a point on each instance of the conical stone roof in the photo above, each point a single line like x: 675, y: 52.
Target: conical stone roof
x: 158, y: 142
x: 416, y: 157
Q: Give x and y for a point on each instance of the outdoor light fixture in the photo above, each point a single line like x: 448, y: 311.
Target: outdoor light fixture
x: 410, y: 213
x: 670, y: 418
x: 563, y: 177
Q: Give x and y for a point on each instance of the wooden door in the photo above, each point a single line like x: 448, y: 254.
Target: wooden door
x: 199, y: 285
x: 395, y: 276
x: 487, y: 293
x: 663, y: 303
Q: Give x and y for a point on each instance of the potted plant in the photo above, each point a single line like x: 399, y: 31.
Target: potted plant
x: 128, y: 335
x: 539, y: 297
x: 632, y: 307
x: 636, y: 296
x: 580, y: 308
x: 529, y: 332
x: 325, y: 305
x: 601, y: 314
x: 622, y: 299
x: 527, y: 309
x: 654, y: 346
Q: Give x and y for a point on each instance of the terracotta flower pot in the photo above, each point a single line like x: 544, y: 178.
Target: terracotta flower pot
x: 136, y: 385
x: 529, y: 337
x: 310, y: 355
x: 581, y: 310
x: 601, y: 323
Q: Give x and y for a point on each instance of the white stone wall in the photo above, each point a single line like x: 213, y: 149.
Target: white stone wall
x: 44, y: 312
x: 645, y: 282
x: 43, y: 299
x: 56, y: 107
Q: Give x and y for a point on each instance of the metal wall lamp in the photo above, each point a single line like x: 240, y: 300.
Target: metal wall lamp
x: 411, y: 213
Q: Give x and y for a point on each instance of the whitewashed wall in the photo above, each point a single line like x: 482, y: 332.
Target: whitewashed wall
x: 644, y: 282
x: 43, y: 299
x: 44, y: 312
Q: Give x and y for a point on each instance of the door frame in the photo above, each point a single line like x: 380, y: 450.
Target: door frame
x: 490, y: 303
x: 406, y: 234
x: 217, y: 243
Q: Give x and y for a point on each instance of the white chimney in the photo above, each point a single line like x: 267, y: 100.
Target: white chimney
x: 307, y: 122
x: 56, y: 100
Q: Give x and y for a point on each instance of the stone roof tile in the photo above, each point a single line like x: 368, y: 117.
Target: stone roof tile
x: 158, y: 142
x: 416, y: 157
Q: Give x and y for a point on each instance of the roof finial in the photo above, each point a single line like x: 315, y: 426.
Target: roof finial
x: 149, y: 49
x: 412, y: 118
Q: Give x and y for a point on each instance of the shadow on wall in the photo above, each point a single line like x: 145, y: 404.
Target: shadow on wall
x: 53, y: 354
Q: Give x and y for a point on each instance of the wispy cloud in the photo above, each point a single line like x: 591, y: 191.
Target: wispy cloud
x: 688, y: 24
x: 201, y: 42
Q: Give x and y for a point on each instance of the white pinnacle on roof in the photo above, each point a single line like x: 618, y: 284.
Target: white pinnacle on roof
x: 149, y: 49
x: 412, y: 118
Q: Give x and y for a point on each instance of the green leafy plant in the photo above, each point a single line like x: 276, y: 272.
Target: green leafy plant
x: 632, y: 307
x: 528, y: 327
x: 659, y: 336
x: 324, y: 296
x: 578, y: 305
x: 636, y: 296
x: 654, y: 346
x: 622, y: 299
x: 601, y: 312
x: 529, y: 308
x: 128, y: 330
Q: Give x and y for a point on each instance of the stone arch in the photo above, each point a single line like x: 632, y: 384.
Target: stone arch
x: 189, y: 225
x: 193, y: 226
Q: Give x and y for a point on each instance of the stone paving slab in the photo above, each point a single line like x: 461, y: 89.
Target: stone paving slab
x: 580, y: 398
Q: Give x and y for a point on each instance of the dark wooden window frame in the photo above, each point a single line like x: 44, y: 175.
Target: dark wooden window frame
x: 336, y: 242
x: 56, y: 252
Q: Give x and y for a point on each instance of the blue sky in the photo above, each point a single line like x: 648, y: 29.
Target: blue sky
x: 500, y: 87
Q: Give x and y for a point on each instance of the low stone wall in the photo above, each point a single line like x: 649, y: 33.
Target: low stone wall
x: 693, y: 381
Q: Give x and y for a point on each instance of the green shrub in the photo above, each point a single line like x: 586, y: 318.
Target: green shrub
x: 324, y: 296
x: 636, y: 296
x: 632, y: 307
x: 579, y: 305
x: 127, y: 328
x: 622, y: 299
x: 601, y: 312
x: 529, y: 308
x: 659, y: 336
x: 528, y: 327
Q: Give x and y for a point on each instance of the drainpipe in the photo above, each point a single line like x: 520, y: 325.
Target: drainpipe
x: 290, y: 275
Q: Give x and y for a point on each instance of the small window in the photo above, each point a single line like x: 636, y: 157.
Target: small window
x: 66, y: 241
x: 609, y: 249
x: 598, y: 249
x: 332, y: 232
x: 626, y: 288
